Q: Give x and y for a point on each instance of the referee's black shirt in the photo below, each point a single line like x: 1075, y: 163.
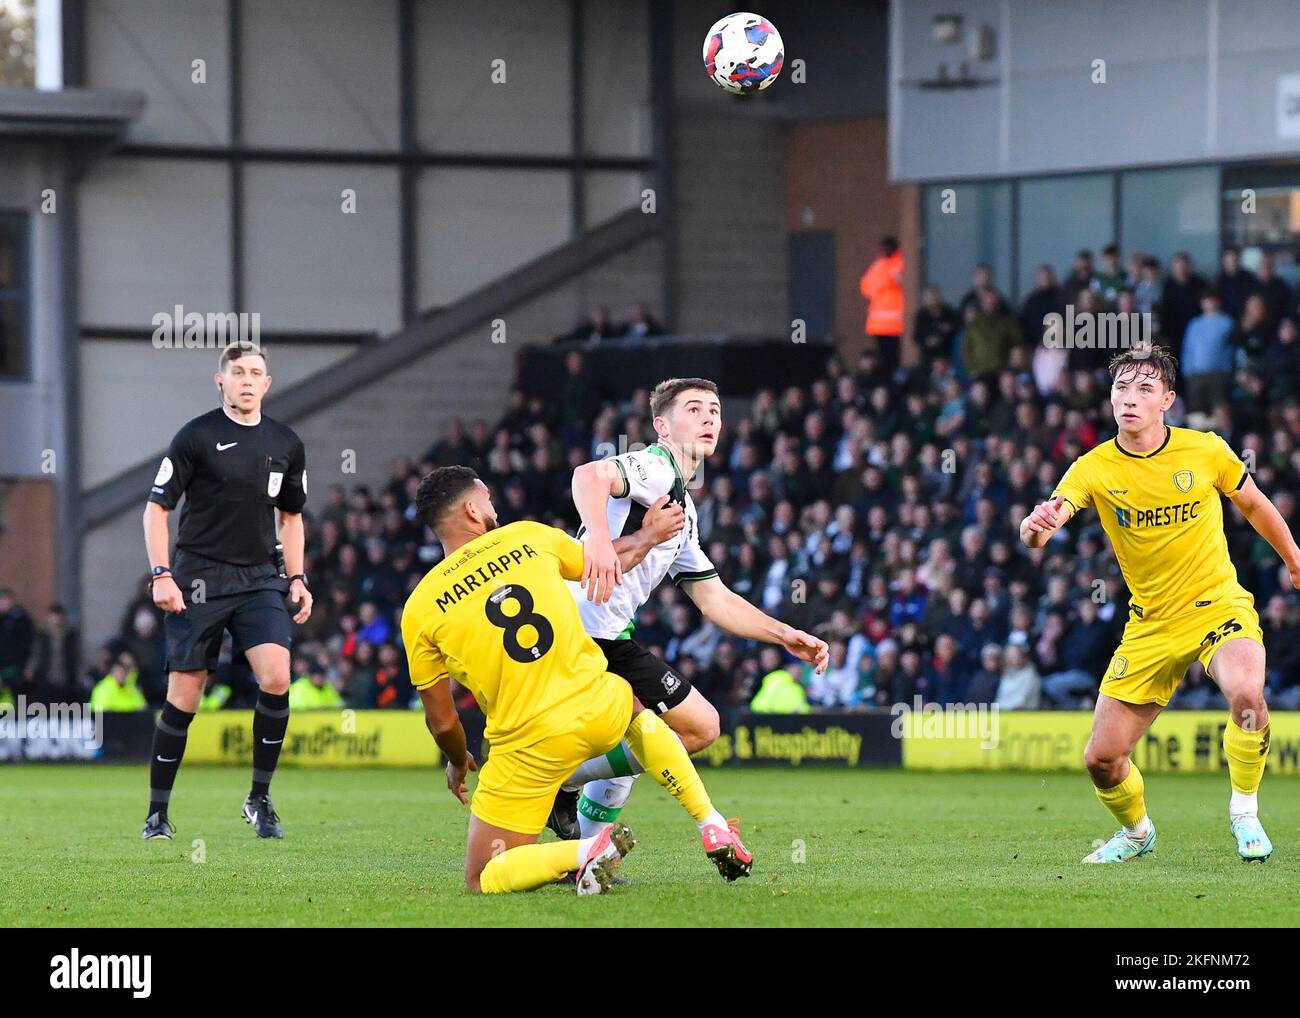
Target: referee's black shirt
x: 234, y: 477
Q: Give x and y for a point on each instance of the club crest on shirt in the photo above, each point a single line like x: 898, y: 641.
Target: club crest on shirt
x: 1183, y: 478
x: 670, y: 682
x: 1120, y: 666
x: 273, y: 482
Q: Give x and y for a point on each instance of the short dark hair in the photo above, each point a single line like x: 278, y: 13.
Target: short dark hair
x: 1155, y: 357
x: 439, y: 489
x: 241, y: 348
x: 889, y: 243
x: 667, y: 391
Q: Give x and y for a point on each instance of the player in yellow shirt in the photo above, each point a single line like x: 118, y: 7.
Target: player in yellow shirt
x: 496, y: 615
x: 1156, y: 490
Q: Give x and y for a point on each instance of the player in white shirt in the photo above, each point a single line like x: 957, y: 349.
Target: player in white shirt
x: 612, y: 496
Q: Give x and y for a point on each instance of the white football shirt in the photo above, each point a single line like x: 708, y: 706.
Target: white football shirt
x: 648, y: 475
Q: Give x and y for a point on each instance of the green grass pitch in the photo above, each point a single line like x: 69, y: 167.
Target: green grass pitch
x: 384, y: 848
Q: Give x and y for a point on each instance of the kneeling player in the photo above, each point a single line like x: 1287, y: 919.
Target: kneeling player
x: 495, y: 613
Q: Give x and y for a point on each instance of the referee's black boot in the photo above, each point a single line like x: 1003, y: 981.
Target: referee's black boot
x: 259, y: 812
x: 157, y: 828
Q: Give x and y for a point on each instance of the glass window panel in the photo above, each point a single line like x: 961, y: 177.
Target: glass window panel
x: 1170, y: 210
x: 1060, y: 215
x: 978, y: 229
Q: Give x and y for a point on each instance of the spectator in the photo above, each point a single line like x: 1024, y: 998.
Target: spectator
x: 981, y: 283
x: 119, y: 689
x: 1081, y: 278
x: 16, y: 634
x: 311, y: 692
x: 946, y: 679
x: 983, y: 687
x: 1085, y: 652
x: 145, y: 642
x: 779, y: 691
x: 935, y: 325
x: 1277, y: 296
x: 1282, y: 639
x: 641, y: 323
x: 1207, y: 356
x: 882, y: 286
x: 1234, y: 283
x: 1043, y: 300
x: 1254, y: 335
x: 595, y: 328
x: 989, y: 338
x: 1146, y: 291
x: 1019, y: 686
x: 837, y: 687
x: 1112, y: 278
x: 54, y: 670
x: 1281, y: 365
x: 1180, y: 301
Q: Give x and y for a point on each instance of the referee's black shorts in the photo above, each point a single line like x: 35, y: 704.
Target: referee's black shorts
x: 253, y: 617
x: 653, y: 681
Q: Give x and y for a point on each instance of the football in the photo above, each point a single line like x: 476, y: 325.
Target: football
x: 743, y: 53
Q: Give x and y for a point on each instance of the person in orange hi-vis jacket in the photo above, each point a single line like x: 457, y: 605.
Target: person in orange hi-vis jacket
x: 882, y: 286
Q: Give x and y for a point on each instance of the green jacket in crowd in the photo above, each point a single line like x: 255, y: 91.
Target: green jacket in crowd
x: 780, y: 693
x: 987, y: 343
x: 305, y: 695
x: 109, y: 696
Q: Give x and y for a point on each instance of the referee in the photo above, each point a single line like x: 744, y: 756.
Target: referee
x: 235, y: 467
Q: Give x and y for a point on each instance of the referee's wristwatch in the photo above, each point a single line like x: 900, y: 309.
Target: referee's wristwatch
x: 160, y: 571
x: 299, y: 576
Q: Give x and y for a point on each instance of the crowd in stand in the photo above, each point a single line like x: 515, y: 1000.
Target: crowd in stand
x: 879, y: 510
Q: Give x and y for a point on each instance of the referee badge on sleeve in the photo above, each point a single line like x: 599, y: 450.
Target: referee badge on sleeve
x: 164, y: 472
x: 273, y: 482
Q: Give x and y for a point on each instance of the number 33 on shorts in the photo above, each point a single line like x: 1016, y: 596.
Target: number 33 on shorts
x: 1154, y: 655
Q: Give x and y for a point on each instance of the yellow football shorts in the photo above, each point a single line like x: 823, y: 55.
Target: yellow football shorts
x: 1153, y: 656
x: 516, y: 787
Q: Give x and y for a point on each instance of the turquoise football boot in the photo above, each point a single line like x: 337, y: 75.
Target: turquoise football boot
x: 1252, y: 843
x: 1122, y: 848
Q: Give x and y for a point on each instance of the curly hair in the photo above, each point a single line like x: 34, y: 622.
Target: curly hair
x: 439, y: 489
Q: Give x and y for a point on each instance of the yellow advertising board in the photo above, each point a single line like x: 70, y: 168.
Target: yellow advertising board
x: 1180, y: 742
x: 319, y: 738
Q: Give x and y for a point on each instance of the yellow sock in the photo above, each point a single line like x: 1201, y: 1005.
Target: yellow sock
x: 1125, y: 801
x: 1246, y: 753
x: 665, y: 759
x: 528, y: 866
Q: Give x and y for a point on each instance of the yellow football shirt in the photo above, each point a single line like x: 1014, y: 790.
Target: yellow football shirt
x: 496, y: 614
x: 1164, y: 517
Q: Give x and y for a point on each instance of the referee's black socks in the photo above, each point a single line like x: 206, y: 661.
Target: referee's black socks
x: 168, y: 748
x: 270, y: 722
